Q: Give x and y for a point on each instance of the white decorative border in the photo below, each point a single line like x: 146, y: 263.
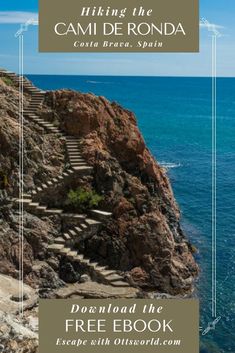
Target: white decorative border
x: 215, y: 34
x: 20, y: 35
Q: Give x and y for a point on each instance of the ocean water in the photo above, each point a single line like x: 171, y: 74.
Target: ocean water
x: 174, y: 116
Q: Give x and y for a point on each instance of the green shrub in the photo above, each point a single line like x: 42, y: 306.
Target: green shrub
x: 7, y: 81
x: 83, y: 199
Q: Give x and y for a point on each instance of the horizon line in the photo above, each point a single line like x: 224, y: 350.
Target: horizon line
x: 106, y: 75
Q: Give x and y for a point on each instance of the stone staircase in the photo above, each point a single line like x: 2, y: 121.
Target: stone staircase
x: 99, y: 273
x: 27, y: 85
x: 64, y: 245
x: 77, y: 164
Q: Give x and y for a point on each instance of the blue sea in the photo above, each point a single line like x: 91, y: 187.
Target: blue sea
x: 174, y: 116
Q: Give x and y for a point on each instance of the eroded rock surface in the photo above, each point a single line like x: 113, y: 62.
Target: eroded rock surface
x: 144, y: 238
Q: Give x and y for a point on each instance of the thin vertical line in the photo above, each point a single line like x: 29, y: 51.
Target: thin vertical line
x: 215, y: 176
x: 212, y: 179
x: 22, y: 166
x: 214, y: 274
x: 19, y: 169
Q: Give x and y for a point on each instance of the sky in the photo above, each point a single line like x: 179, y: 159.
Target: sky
x: 221, y: 13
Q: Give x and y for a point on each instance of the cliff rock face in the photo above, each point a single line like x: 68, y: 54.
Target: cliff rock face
x: 43, y: 159
x: 144, y: 237
x: 43, y: 154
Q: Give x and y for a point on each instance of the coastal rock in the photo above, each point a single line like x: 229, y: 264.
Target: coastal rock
x: 40, y: 151
x: 143, y: 240
x: 145, y: 230
x: 93, y: 290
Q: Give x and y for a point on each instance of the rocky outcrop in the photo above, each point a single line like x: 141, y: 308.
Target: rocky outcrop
x: 144, y: 238
x: 44, y: 156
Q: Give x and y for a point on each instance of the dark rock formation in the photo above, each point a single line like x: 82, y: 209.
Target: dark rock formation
x: 142, y: 239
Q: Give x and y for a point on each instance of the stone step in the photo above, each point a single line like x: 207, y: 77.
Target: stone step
x: 66, y: 236
x: 92, y: 222
x: 119, y: 284
x: 35, y: 118
x: 82, y: 169
x: 72, y: 233
x: 24, y: 201
x: 51, y: 129
x: 26, y: 196
x: 59, y: 240
x: 41, y: 208
x: 33, y: 204
x: 73, y: 149
x: 72, y: 143
x: 47, y: 123
x: 78, y: 160
x: 78, y: 164
x: 53, y: 212
x: 72, y: 254
x: 101, y: 268
x: 73, y: 216
x: 75, y: 154
x: 83, y: 226
x: 79, y: 257
x: 73, y: 138
x: 70, y: 171
x: 78, y: 230
x: 49, y: 183
x: 54, y: 129
x: 114, y: 278
x: 65, y: 251
x: 106, y: 273
x: 100, y: 215
x: 55, y: 247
